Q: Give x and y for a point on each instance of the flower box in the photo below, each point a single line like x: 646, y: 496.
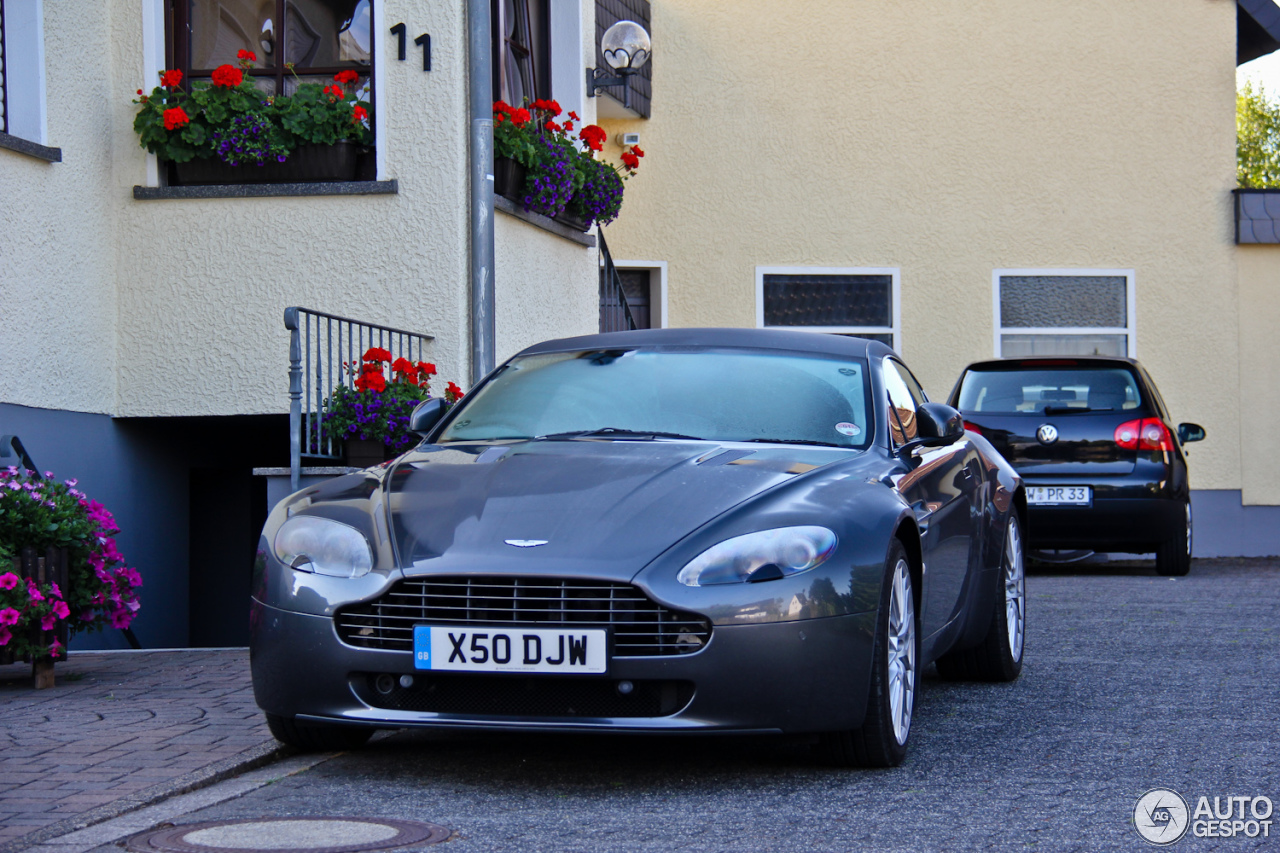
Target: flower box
x: 365, y: 453
x: 574, y: 217
x: 308, y: 164
x: 508, y: 178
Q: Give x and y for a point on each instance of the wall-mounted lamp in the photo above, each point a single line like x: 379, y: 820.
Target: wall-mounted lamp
x: 626, y: 48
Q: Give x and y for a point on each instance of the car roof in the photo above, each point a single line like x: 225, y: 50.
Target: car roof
x: 763, y: 339
x: 1052, y: 361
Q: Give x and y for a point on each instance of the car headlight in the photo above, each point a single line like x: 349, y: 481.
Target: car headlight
x: 762, y: 556
x: 322, y: 546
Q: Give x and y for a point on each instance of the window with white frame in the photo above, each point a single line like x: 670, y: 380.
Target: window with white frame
x: 857, y: 301
x: 22, y: 104
x: 1064, y: 312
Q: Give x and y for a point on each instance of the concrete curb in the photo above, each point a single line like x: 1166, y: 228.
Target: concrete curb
x: 251, y: 759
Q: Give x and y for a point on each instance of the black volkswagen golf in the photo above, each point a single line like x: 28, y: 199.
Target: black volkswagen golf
x: 1091, y: 437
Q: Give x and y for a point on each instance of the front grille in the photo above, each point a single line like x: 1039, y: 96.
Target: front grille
x: 639, y: 627
x: 508, y: 696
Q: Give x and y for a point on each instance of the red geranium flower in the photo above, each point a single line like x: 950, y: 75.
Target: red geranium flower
x: 553, y: 127
x: 594, y: 135
x: 346, y: 76
x: 334, y: 92
x: 358, y: 115
x: 520, y: 117
x: 139, y: 91
x: 502, y: 107
x: 376, y: 354
x: 227, y: 76
x: 248, y: 55
x: 635, y: 149
x: 452, y: 393
x: 550, y: 106
x: 574, y: 116
x: 172, y: 78
x: 427, y: 368
x: 175, y: 118
x: 630, y: 160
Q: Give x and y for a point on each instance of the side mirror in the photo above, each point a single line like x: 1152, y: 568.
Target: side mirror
x: 1190, y: 432
x: 936, y: 424
x: 939, y: 423
x: 427, y: 414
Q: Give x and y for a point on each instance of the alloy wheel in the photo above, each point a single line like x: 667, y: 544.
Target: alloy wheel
x: 1015, y: 603
x: 902, y: 651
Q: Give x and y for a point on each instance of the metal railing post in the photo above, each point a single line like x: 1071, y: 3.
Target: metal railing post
x: 295, y: 399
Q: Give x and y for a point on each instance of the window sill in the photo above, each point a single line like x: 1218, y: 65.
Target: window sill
x: 31, y: 149
x: 546, y: 223
x: 390, y: 187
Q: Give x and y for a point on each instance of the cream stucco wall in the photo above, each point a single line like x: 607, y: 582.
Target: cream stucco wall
x: 174, y: 307
x: 949, y: 140
x: 1259, y: 370
x: 58, y: 240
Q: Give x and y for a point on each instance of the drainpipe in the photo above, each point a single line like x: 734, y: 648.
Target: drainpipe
x: 480, y: 98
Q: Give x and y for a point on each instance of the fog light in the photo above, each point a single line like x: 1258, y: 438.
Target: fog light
x: 406, y: 681
x: 625, y: 687
x: 384, y: 684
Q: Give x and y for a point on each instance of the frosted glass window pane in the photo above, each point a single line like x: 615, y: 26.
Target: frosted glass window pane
x: 1020, y: 346
x: 1048, y: 301
x: 219, y: 30
x: 828, y: 300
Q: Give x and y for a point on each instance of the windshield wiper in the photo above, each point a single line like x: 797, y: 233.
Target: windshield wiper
x: 1068, y: 410
x: 613, y: 432
x: 796, y: 441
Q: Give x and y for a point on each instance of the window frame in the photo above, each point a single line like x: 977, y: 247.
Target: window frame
x: 177, y: 38
x: 28, y: 73
x: 1130, y: 330
x: 895, y: 296
x: 541, y: 68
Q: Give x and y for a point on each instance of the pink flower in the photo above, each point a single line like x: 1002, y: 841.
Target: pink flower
x: 33, y: 592
x: 72, y: 482
x: 9, y: 616
x: 57, y: 592
x: 61, y: 610
x: 56, y: 649
x: 8, y: 580
x: 121, y: 619
x: 5, y: 636
x: 48, y: 623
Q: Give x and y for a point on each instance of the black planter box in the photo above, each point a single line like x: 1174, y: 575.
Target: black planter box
x: 308, y: 164
x: 508, y: 179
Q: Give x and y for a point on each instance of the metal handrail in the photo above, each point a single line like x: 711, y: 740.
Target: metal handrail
x: 612, y: 296
x: 314, y: 338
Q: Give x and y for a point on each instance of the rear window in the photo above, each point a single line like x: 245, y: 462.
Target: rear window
x: 1060, y: 390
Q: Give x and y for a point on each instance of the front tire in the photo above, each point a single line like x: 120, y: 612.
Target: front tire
x: 999, y: 656
x: 316, y: 737
x: 1173, y: 555
x: 881, y: 741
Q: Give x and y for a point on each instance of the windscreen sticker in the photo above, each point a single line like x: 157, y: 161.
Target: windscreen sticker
x: 848, y: 429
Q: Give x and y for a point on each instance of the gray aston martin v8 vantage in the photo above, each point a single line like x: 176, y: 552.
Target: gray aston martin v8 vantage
x: 681, y: 530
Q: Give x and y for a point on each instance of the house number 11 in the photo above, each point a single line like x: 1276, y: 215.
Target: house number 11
x: 423, y: 41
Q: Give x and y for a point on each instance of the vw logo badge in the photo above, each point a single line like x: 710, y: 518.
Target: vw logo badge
x: 1047, y: 434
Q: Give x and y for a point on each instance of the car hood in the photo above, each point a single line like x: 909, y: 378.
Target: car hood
x: 602, y: 508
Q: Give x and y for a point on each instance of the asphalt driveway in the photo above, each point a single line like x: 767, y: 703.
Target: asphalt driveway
x: 1132, y: 682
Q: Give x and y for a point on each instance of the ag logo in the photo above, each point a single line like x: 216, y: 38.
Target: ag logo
x: 1161, y: 816
x: 1047, y: 434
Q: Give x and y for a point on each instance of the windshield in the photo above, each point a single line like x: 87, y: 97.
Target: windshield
x: 718, y: 395
x: 1053, y: 390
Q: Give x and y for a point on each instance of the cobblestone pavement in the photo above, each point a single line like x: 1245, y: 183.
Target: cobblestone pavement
x: 1132, y: 682
x: 120, y: 729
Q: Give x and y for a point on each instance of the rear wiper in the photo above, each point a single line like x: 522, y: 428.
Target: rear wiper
x: 1067, y: 410
x: 614, y: 432
x: 794, y: 441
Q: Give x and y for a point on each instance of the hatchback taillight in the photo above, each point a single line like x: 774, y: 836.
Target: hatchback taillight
x: 1144, y: 434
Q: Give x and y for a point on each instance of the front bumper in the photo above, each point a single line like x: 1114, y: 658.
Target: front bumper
x: 803, y: 676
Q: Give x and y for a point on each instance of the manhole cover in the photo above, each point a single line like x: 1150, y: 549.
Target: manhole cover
x: 288, y: 834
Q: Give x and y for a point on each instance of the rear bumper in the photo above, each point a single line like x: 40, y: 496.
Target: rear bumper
x: 803, y: 676
x: 1126, y: 516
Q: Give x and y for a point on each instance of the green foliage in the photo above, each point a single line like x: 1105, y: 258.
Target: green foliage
x: 311, y: 115
x: 1257, y: 139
